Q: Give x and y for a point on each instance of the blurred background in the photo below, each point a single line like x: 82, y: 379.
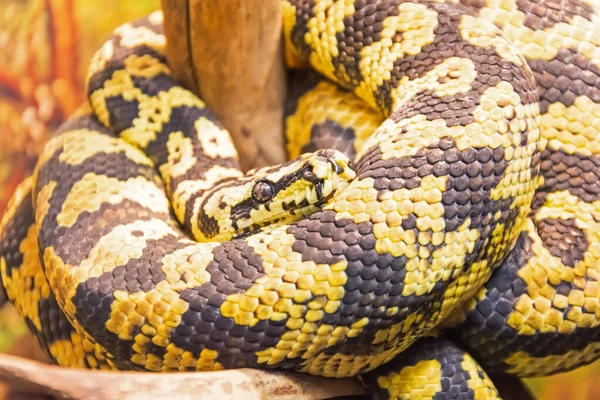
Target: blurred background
x: 45, y: 48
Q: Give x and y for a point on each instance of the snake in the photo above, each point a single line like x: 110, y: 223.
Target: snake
x: 436, y: 225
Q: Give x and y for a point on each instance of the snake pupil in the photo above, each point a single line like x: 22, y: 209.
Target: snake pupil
x: 263, y: 191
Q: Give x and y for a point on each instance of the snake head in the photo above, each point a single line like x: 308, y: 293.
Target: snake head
x: 277, y: 195
x: 309, y: 180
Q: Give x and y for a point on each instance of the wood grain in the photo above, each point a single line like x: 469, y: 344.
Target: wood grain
x: 230, y: 53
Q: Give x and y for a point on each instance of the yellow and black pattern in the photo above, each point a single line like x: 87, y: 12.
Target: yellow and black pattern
x: 337, y: 293
x: 322, y: 265
x: 321, y: 115
x: 539, y: 313
x: 432, y: 368
x: 27, y: 288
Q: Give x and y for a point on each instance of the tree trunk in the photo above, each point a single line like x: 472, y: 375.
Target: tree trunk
x: 229, y: 52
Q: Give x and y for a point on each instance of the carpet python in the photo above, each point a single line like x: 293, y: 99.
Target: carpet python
x: 437, y: 222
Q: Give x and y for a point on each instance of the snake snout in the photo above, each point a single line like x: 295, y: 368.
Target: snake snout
x: 337, y: 165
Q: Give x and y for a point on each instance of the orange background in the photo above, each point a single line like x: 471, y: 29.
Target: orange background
x: 45, y: 47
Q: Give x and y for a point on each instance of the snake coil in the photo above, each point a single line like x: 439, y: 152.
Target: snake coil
x: 463, y: 236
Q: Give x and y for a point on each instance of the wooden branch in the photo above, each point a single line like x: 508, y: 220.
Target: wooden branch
x: 230, y: 53
x: 26, y: 375
x: 34, y: 377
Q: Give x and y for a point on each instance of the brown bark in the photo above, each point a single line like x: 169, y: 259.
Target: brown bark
x: 230, y: 53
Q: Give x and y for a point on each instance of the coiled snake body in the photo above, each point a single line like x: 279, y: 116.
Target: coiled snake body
x: 471, y: 208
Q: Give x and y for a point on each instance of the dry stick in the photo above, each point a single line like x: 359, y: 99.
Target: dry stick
x: 230, y: 53
x: 35, y: 377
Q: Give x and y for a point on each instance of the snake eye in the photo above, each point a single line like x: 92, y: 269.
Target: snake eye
x: 309, y: 175
x: 263, y: 191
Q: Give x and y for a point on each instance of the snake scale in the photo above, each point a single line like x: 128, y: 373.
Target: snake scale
x: 439, y: 219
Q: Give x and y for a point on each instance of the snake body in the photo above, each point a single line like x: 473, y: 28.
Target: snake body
x: 467, y: 222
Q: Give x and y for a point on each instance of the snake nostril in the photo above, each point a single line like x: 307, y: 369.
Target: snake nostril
x: 337, y: 168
